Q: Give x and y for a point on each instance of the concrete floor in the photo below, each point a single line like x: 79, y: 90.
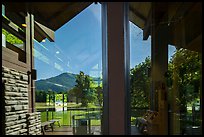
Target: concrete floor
x: 63, y: 130
x: 67, y: 130
x: 135, y: 131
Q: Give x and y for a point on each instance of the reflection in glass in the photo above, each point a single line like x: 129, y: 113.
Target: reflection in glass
x: 140, y: 63
x: 69, y: 84
x: 184, y: 83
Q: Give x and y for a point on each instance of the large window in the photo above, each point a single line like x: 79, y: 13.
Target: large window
x: 69, y: 74
x: 140, y: 63
x: 13, y: 35
x: 184, y: 85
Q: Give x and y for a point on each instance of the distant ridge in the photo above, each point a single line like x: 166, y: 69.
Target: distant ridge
x: 62, y: 82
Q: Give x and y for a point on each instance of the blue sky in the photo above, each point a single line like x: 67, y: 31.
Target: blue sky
x: 78, y: 46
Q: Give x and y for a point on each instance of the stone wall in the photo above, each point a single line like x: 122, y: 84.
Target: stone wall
x: 15, y: 101
x: 16, y: 119
x: 33, y: 123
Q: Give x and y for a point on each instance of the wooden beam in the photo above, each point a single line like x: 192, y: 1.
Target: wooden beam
x: 137, y: 13
x: 195, y: 44
x: 44, y: 31
x: 21, y: 53
x: 13, y: 29
x: 16, y: 18
x: 147, y: 27
x: 182, y: 10
x: 63, y: 8
x: 39, y: 18
x: 173, y: 8
x: 185, y: 25
x: 176, y: 15
x: 67, y: 15
x: 160, y: 14
x: 10, y: 60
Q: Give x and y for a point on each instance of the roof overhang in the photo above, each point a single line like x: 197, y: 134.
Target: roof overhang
x: 48, y: 16
x: 184, y: 21
x: 184, y: 18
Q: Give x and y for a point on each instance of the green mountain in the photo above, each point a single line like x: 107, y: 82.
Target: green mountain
x: 62, y: 82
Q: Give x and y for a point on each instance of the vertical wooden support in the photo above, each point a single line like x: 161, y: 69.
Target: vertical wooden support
x: 30, y: 58
x: 116, y: 115
x: 159, y: 60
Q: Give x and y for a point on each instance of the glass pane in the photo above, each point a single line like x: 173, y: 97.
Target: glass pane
x: 140, y: 63
x: 11, y: 35
x: 10, y: 38
x: 184, y: 83
x: 69, y: 74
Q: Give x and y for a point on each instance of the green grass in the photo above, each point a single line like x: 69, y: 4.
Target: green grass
x: 65, y: 117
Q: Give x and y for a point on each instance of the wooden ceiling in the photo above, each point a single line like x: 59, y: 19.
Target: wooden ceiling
x: 184, y: 21
x: 51, y: 14
x: 184, y: 18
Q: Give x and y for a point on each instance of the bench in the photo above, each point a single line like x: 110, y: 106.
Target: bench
x: 56, y: 120
x: 46, y: 125
x: 142, y: 122
x: 50, y: 123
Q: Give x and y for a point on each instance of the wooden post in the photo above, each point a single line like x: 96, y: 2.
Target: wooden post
x: 116, y: 112
x: 30, y: 59
x: 159, y: 60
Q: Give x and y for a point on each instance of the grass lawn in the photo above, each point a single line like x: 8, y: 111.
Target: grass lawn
x: 65, y: 116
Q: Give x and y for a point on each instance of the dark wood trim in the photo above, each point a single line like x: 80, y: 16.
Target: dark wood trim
x: 195, y: 44
x: 16, y: 18
x: 147, y: 26
x: 10, y: 60
x: 44, y: 31
x: 105, y: 116
x: 117, y: 66
x: 159, y: 66
x: 127, y: 70
x: 11, y: 28
x: 142, y: 17
x: 21, y: 53
x: 32, y: 61
x: 28, y: 51
x: 62, y: 10
x: 74, y: 8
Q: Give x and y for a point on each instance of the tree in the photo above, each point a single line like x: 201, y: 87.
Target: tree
x: 83, y: 89
x: 40, y: 96
x: 186, y: 65
x: 75, y: 92
x: 99, y: 92
x: 140, y: 84
x: 11, y: 38
x: 51, y: 96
